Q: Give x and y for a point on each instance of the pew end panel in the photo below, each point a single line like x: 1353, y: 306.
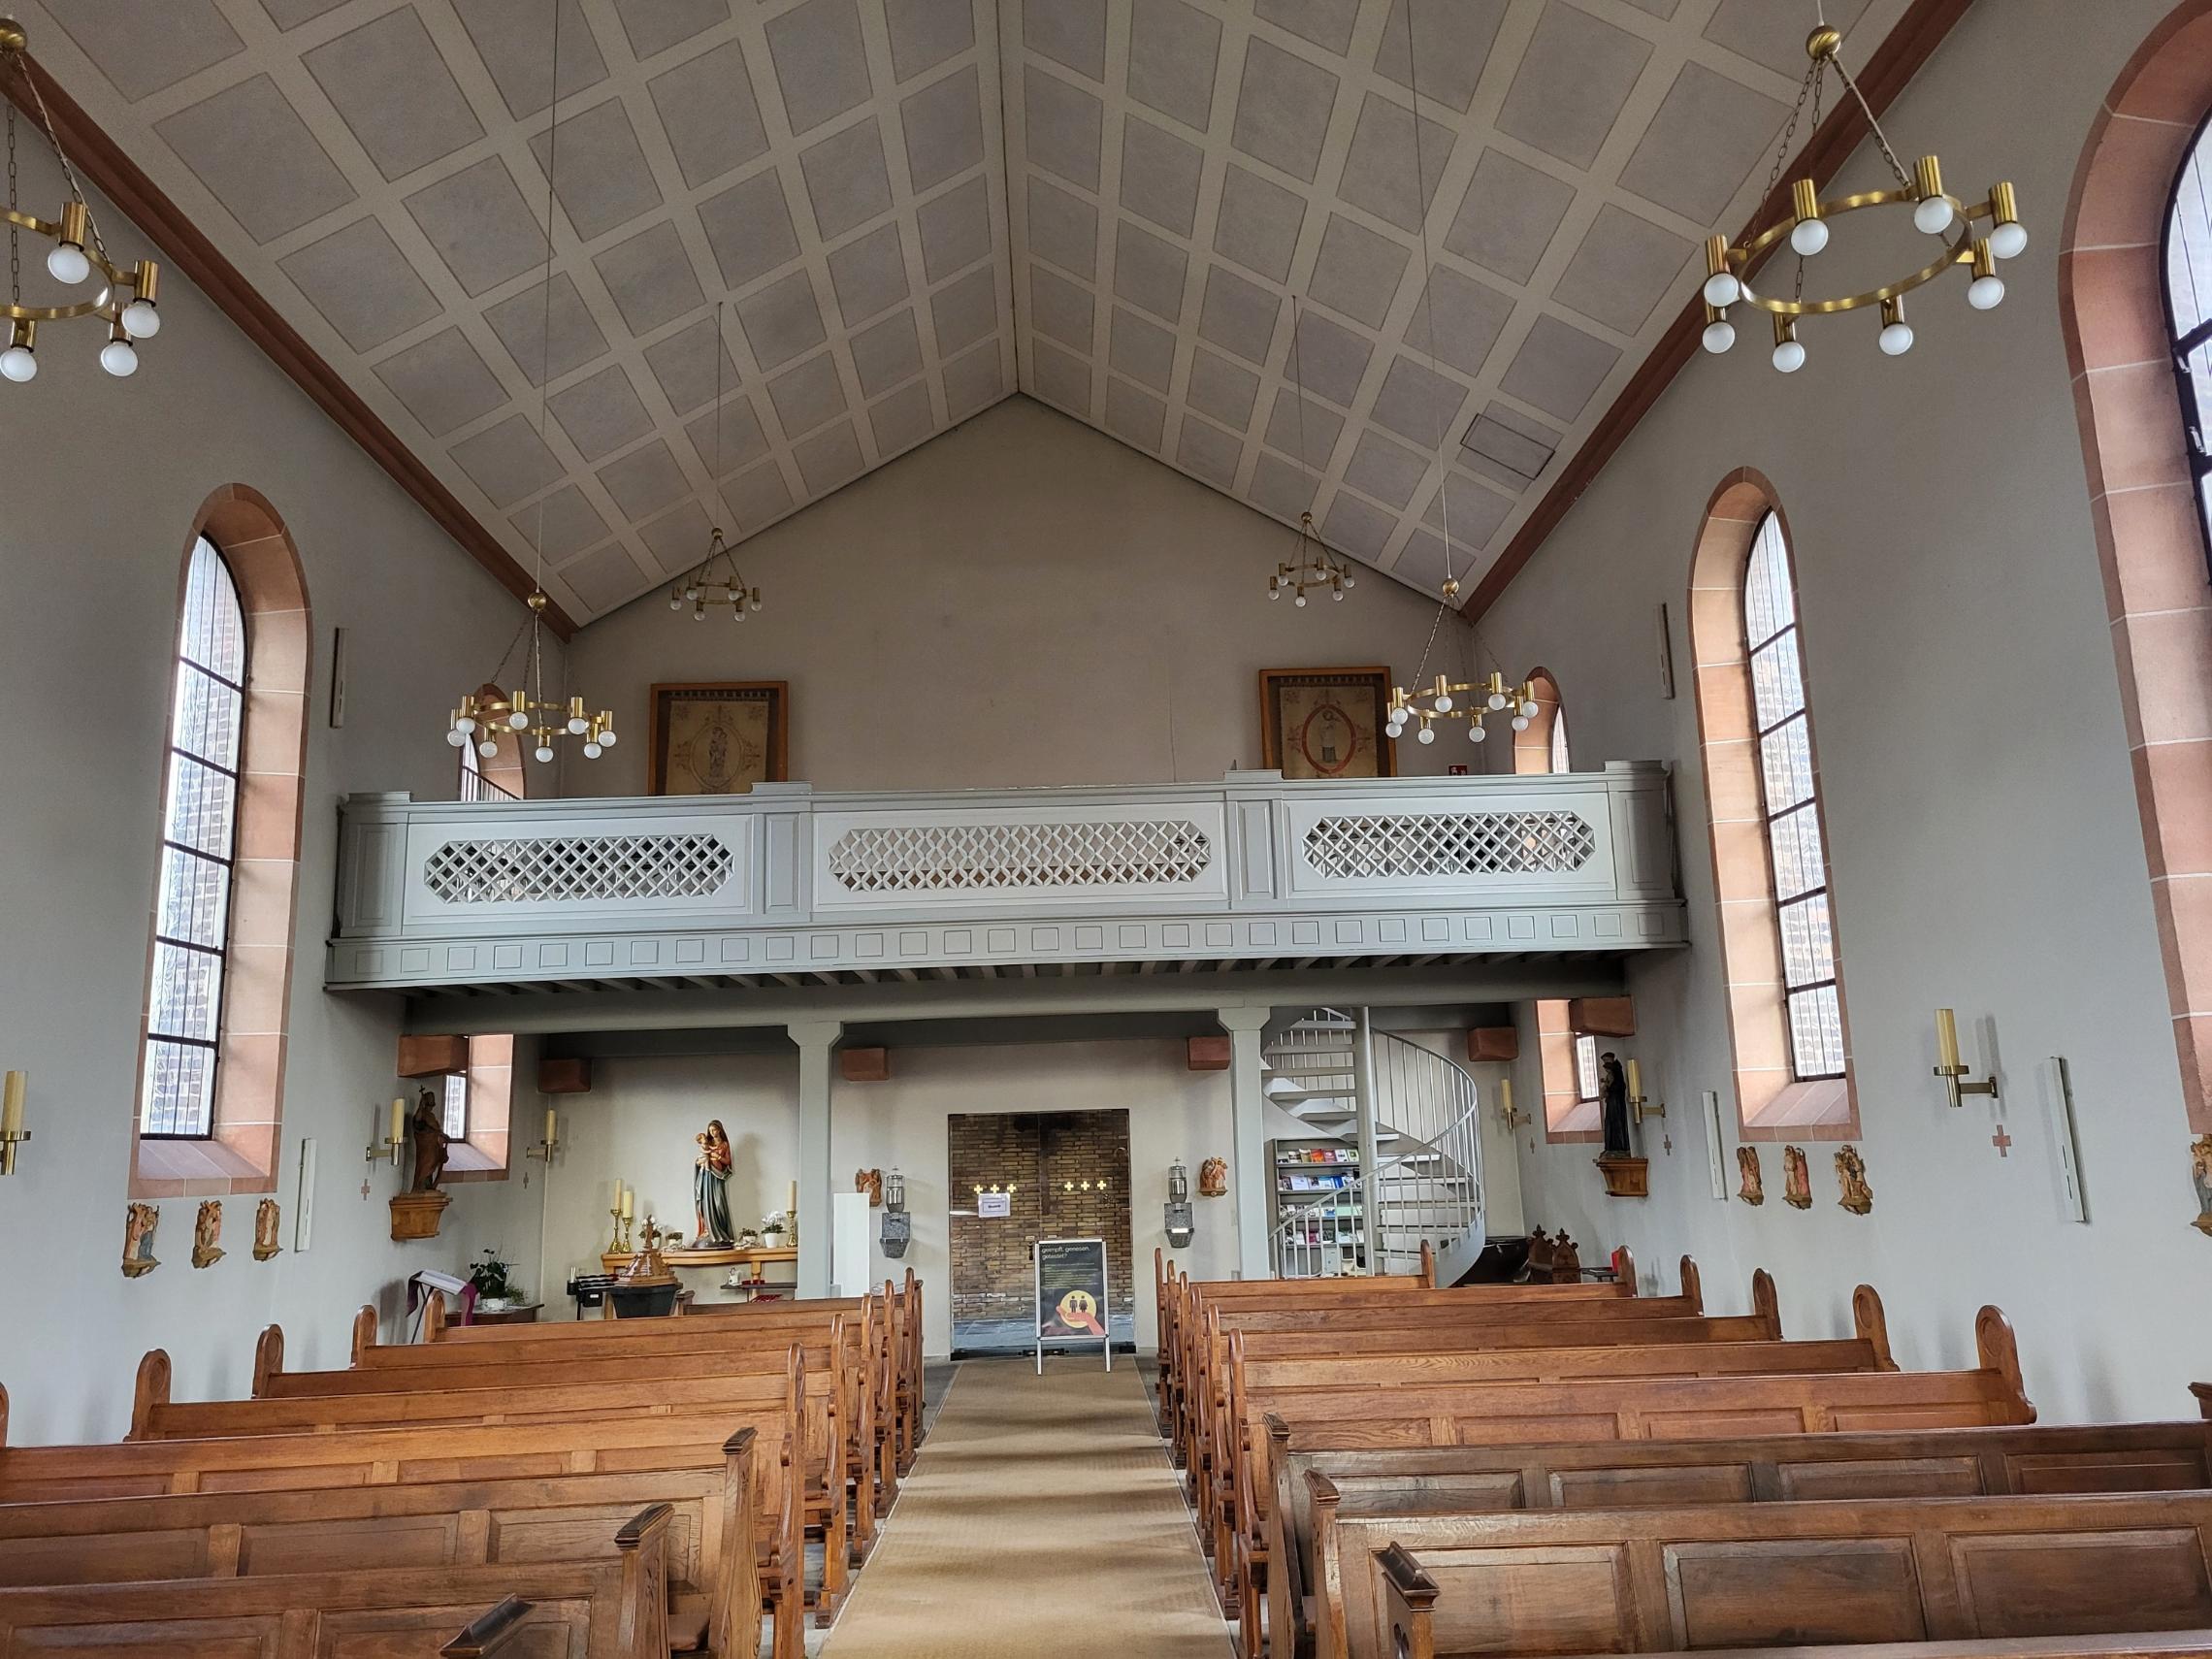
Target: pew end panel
x: 1998, y: 1351
x: 1766, y: 1301
x: 1871, y: 1325
x: 268, y: 1361
x: 1693, y: 1284
x: 364, y: 1332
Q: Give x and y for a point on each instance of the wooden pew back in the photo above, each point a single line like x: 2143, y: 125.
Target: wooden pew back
x: 1678, y: 1578
x: 610, y: 1608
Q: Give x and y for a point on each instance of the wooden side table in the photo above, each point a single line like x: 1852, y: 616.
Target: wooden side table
x: 520, y: 1314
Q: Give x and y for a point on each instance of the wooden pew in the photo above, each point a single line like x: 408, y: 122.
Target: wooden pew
x: 610, y: 1608
x: 846, y: 1449
x: 444, y: 1453
x: 767, y: 1400
x: 712, y: 1576
x: 1601, y: 1408
x: 1712, y: 1575
x: 1959, y: 1462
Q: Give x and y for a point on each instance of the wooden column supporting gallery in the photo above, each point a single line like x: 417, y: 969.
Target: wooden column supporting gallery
x: 2150, y: 541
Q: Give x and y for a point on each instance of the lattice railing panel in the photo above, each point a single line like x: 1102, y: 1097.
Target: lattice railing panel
x: 594, y: 869
x: 1403, y: 845
x: 950, y: 857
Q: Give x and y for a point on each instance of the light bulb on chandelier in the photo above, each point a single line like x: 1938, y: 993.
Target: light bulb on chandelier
x: 1975, y: 235
x: 127, y: 296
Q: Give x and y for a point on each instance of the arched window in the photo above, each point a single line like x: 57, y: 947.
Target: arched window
x: 2136, y: 221
x: 209, y: 1106
x: 1770, y: 844
x: 199, y: 852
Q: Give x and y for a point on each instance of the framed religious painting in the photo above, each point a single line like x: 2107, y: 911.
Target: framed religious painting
x: 1325, y: 723
x: 718, y: 738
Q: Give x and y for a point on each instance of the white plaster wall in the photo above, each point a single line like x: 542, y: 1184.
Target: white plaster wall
x: 637, y: 1123
x: 101, y: 480
x: 1986, y: 848
x: 1021, y: 601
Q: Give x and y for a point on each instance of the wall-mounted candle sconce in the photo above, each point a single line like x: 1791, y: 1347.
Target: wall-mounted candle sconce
x: 1637, y: 1104
x: 1947, y: 1067
x: 1180, y: 1227
x: 389, y: 1147
x: 1507, y: 1114
x: 897, y: 1224
x: 12, y: 1134
x: 548, y: 1149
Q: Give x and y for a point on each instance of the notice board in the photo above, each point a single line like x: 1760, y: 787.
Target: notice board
x: 1071, y: 1294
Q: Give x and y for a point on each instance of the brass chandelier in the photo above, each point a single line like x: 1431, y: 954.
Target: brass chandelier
x: 1312, y: 565
x: 127, y: 298
x: 1976, y: 236
x: 715, y: 580
x: 1474, y: 701
x: 483, y: 715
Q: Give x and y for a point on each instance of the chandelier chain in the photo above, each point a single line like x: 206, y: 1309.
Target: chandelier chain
x: 1428, y: 301
x: 14, y: 235
x: 68, y: 173
x: 1873, y: 124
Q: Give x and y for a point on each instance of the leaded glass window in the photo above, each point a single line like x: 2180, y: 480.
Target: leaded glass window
x: 457, y: 1105
x: 2188, y: 314
x: 1585, y: 1068
x: 1790, y: 805
x: 199, y: 850
x: 1559, y: 740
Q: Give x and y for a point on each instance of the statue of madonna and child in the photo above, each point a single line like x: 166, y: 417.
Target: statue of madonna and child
x: 710, y: 1189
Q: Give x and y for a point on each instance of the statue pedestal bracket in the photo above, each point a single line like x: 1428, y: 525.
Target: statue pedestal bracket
x: 1625, y: 1177
x: 416, y: 1214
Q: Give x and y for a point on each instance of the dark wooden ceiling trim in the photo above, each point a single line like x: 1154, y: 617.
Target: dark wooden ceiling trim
x: 105, y: 168
x: 1894, y: 63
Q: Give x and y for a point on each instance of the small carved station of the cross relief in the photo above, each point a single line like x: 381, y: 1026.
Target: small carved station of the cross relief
x: 2001, y: 1141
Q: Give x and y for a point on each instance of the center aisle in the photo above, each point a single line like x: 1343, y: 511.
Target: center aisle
x: 1041, y: 1517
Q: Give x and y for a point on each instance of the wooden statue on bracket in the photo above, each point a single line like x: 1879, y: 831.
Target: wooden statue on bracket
x: 870, y: 1182
x: 208, y: 1234
x: 711, y: 1187
x: 2200, y: 1171
x: 1851, y: 1175
x: 1214, y: 1178
x: 1797, y: 1178
x: 138, y: 1222
x: 1752, y: 1189
x: 266, y: 1220
x: 432, y: 1144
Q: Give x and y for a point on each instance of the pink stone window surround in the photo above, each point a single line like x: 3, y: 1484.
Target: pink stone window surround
x: 240, y: 1152
x: 1568, y: 1117
x: 2114, y: 293
x: 1773, y: 1101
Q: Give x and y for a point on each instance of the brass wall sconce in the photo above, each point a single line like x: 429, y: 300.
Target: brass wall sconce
x: 12, y: 1134
x: 1638, y: 1106
x: 1506, y: 1113
x: 1948, y: 1067
x: 548, y: 1149
x: 378, y: 1151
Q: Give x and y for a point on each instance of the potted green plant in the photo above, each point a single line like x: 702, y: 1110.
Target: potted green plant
x: 494, y: 1279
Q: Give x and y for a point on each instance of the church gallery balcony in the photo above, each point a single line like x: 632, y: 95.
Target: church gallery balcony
x: 792, y: 886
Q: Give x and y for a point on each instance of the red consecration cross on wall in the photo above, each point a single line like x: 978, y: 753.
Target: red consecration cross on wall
x: 2002, y: 1142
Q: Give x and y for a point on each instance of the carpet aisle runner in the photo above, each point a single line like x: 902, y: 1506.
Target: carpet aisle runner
x: 1042, y: 1517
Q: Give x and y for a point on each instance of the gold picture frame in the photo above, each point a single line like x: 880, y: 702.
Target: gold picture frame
x: 718, y: 737
x: 1326, y: 723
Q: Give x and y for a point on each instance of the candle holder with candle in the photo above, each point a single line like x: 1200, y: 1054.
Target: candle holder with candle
x: 378, y: 1150
x: 1948, y: 1067
x: 546, y: 1149
x: 1506, y: 1113
x: 12, y: 1134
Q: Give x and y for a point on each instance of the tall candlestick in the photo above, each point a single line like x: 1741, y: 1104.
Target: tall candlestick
x: 1635, y: 1081
x: 1946, y: 1038
x: 399, y: 1121
x: 11, y: 1105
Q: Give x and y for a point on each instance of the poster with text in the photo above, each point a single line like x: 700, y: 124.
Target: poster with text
x: 1071, y: 1291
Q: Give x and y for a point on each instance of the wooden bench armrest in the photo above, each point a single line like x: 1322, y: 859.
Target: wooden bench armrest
x: 1409, y: 1594
x: 489, y: 1634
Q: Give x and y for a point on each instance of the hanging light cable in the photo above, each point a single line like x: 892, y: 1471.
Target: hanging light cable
x: 483, y: 714
x: 1430, y: 703
x: 716, y: 579
x: 1311, y: 564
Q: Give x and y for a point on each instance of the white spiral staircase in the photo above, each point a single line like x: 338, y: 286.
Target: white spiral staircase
x: 1420, y: 1180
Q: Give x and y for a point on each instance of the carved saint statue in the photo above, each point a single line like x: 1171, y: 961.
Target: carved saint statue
x: 138, y: 1222
x: 711, y: 1187
x: 427, y: 1129
x: 266, y: 1216
x: 1753, y: 1189
x: 870, y: 1182
x: 1797, y: 1178
x: 1214, y: 1178
x: 208, y: 1234
x: 2200, y: 1171
x: 1612, y: 1096
x: 1851, y: 1175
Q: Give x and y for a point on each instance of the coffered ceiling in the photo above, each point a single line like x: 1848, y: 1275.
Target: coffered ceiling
x: 1163, y: 216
